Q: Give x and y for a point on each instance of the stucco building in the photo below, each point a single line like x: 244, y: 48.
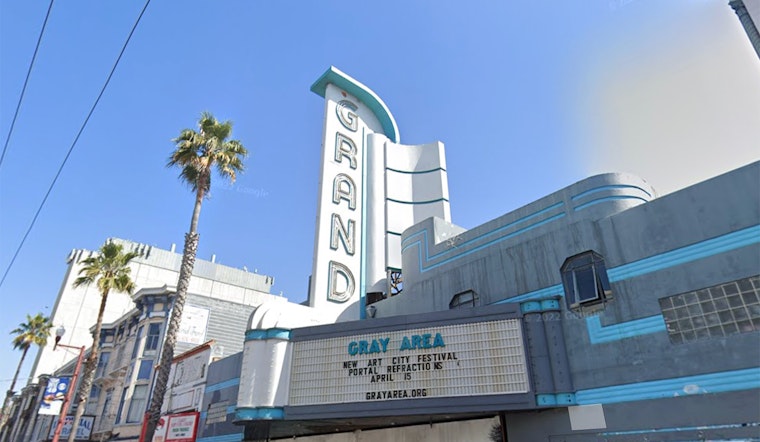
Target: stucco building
x: 598, y: 312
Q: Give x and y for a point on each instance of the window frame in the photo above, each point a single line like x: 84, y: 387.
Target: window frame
x: 136, y: 347
x: 140, y: 369
x: 576, y: 289
x: 143, y: 404
x: 152, y: 341
x: 101, y: 368
x: 455, y: 302
x: 107, y: 402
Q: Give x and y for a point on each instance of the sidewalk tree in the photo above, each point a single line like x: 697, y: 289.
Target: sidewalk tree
x: 109, y: 270
x: 197, y: 154
x: 34, y: 331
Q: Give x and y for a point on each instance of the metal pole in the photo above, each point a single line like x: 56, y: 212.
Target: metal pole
x: 72, y: 386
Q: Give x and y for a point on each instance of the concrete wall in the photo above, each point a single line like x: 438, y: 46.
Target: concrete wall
x: 621, y: 354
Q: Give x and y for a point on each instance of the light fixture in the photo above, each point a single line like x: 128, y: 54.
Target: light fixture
x: 371, y: 311
x: 59, y: 332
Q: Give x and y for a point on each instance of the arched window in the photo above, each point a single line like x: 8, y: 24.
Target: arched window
x: 584, y: 277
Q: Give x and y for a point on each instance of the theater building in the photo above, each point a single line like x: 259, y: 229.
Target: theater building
x: 598, y: 312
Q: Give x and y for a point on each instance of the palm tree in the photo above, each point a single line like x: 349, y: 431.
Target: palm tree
x: 110, y: 270
x: 35, y: 331
x: 197, y: 154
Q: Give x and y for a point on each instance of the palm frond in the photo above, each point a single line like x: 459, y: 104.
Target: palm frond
x: 34, y: 331
x: 196, y: 153
x: 109, y: 269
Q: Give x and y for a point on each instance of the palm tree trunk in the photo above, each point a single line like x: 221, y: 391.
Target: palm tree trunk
x: 199, y: 195
x: 9, y: 395
x: 185, y: 272
x: 89, y: 370
x: 167, y: 353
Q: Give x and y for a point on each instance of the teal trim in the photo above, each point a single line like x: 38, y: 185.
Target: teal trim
x: 530, y: 307
x: 222, y: 385
x: 546, y: 400
x: 652, y: 324
x: 236, y: 437
x: 553, y: 400
x: 363, y: 93
x: 610, y: 198
x: 388, y: 232
x: 255, y: 334
x: 555, y: 290
x: 615, y: 332
x: 231, y: 409
x: 743, y: 425
x: 496, y: 231
x: 460, y: 253
x: 720, y: 382
x: 417, y: 202
x: 271, y: 333
x: 566, y: 399
x: 414, y: 172
x: 363, y: 256
x: 610, y: 187
x: 549, y: 304
x: 702, y: 249
x: 259, y: 413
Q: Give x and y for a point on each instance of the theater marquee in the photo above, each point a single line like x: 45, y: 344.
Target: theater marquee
x: 457, y: 360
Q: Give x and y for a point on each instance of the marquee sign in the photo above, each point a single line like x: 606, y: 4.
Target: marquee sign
x: 482, y: 358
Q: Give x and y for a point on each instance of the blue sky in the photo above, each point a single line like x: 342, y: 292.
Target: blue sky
x: 527, y: 97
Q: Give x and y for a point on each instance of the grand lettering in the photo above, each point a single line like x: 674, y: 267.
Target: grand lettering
x: 346, y: 112
x: 341, y: 282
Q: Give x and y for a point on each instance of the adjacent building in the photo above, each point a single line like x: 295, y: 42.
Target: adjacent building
x: 77, y: 308
x: 219, y: 303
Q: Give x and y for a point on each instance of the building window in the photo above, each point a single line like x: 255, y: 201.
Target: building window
x: 100, y: 371
x: 146, y: 367
x: 136, y: 347
x: 151, y: 341
x: 92, y: 402
x: 584, y: 277
x: 395, y: 282
x: 713, y: 312
x: 94, y: 392
x: 138, y: 404
x: 121, y: 404
x: 107, y: 403
x: 464, y: 300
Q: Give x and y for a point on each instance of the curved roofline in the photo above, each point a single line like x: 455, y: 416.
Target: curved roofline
x: 370, y: 99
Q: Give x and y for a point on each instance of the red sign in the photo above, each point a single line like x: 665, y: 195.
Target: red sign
x: 180, y: 427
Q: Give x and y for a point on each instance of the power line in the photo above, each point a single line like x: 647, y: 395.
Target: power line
x: 26, y: 81
x: 73, y: 144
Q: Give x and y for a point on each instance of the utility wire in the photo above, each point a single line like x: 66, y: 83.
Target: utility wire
x: 26, y: 81
x: 68, y: 154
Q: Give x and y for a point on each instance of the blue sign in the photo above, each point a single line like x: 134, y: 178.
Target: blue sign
x: 55, y: 393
